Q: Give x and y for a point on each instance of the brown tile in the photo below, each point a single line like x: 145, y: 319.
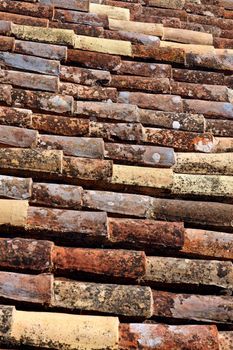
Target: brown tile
x: 211, y: 214
x: 44, y: 101
x: 83, y: 224
x: 208, y: 244
x: 168, y: 337
x: 24, y: 20
x: 84, y: 76
x: 73, y: 146
x: 146, y: 232
x: 56, y: 195
x: 78, y: 5
x: 116, y: 131
x: 173, y: 120
x: 6, y: 43
x: 83, y: 92
x: 209, y: 108
x: 87, y: 169
x: 138, y: 154
x: 122, y: 82
x: 157, y: 70
x: 15, y: 117
x: 29, y: 80
x: 25, y: 254
x: 180, y: 140
x: 27, y: 8
x: 93, y: 59
x: 59, y: 125
x: 109, y: 262
x: 162, y: 102
x: 54, y: 52
x: 81, y: 18
x: 26, y: 288
x: 120, y: 203
x: 101, y: 110
x: 206, y: 308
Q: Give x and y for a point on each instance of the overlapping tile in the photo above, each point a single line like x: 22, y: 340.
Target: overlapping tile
x: 116, y: 144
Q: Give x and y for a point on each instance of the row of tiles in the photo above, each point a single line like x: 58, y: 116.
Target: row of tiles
x: 39, y: 162
x: 103, y: 11
x: 93, y: 146
x: 113, y: 264
x: 96, y: 332
x: 125, y: 124
x: 65, y: 104
x: 135, y: 300
x: 86, y: 83
x: 193, y: 55
x: 210, y: 214
x: 82, y: 227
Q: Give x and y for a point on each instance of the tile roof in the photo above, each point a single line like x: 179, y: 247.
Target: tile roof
x: 116, y: 174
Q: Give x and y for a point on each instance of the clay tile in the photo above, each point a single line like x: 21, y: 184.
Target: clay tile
x: 190, y: 306
x: 25, y: 254
x: 26, y: 288
x: 128, y: 264
x: 135, y: 300
x: 78, y: 5
x: 146, y: 232
x: 110, y: 11
x: 31, y: 160
x: 166, y: 337
x: 56, y: 195
x: 5, y: 27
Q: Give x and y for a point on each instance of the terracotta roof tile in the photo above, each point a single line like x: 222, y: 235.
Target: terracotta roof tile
x: 116, y: 177
x: 134, y: 300
x: 34, y: 64
x: 73, y: 4
x: 40, y: 49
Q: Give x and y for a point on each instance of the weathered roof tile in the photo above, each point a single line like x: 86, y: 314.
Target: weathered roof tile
x: 47, y: 35
x: 78, y: 5
x: 18, y: 137
x: 50, y: 51
x: 146, y: 232
x: 44, y: 101
x: 56, y: 195
x: 161, y: 102
x: 140, y: 176
x: 138, y: 154
x: 31, y: 159
x: 73, y: 146
x: 25, y: 254
x: 29, y: 63
x: 187, y: 271
x: 15, y: 187
x: 29, y: 80
x: 87, y: 169
x: 135, y: 300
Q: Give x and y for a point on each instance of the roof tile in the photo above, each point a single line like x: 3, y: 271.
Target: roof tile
x: 56, y: 195
x: 140, y: 176
x: 87, y: 169
x: 78, y: 5
x: 187, y: 271
x: 25, y: 254
x: 15, y: 187
x: 31, y: 159
x: 50, y: 51
x: 18, y: 137
x: 135, y: 300
x: 126, y: 263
